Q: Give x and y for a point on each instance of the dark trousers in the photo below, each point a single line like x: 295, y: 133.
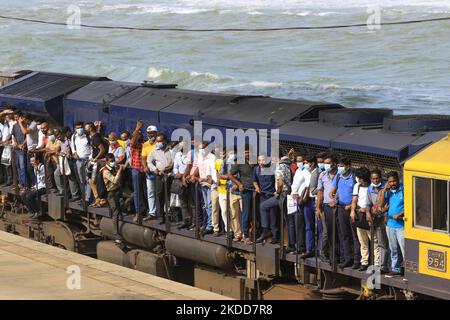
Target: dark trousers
x: 296, y: 229
x: 139, y: 188
x: 30, y: 199
x: 348, y: 237
x: 113, y: 199
x: 269, y: 208
x: 200, y: 217
x: 247, y: 199
x: 162, y: 187
x: 309, y: 216
x: 30, y: 171
x: 49, y: 174
x: 3, y: 170
x: 327, y: 245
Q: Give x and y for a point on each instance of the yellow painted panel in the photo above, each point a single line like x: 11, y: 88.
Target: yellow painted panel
x: 424, y: 268
x: 434, y: 158
x: 416, y: 233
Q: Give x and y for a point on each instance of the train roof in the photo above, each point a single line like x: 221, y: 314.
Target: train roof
x: 42, y: 92
x: 432, y: 159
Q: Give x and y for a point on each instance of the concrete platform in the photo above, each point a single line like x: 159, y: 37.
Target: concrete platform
x: 33, y: 270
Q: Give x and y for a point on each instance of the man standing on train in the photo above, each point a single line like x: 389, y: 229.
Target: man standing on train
x: 147, y: 148
x: 393, y: 197
x: 343, y: 184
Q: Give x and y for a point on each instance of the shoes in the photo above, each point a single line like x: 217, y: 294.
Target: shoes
x: 237, y: 239
x: 183, y: 226
x: 265, y: 234
x: 392, y: 274
x: 247, y: 241
x: 289, y: 249
x: 363, y: 267
x: 356, y: 266
x: 274, y: 241
x: 345, y: 264
x: 307, y: 255
x: 149, y: 217
x: 324, y: 258
x: 35, y: 216
x: 206, y: 231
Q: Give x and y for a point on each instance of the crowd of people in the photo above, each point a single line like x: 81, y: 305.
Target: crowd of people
x: 328, y: 206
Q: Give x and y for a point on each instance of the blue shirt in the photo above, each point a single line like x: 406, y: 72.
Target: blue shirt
x: 396, y: 206
x: 325, y: 184
x: 344, y: 188
x: 265, y: 181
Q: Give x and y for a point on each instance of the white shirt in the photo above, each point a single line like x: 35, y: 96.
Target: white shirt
x: 40, y: 176
x: 32, y: 137
x: 301, y: 180
x: 206, y: 168
x: 117, y: 152
x: 82, y: 147
x: 362, y: 194
x: 41, y: 136
x: 180, y: 162
x: 5, y: 131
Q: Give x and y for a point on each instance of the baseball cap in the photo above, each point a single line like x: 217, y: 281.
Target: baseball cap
x: 152, y: 128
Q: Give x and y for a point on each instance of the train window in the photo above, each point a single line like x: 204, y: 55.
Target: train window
x: 422, y: 202
x: 440, y: 211
x: 431, y: 203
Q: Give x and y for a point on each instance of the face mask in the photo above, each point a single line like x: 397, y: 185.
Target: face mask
x: 326, y: 166
x: 159, y: 145
x: 151, y: 138
x: 39, y: 127
x: 341, y: 170
x: 376, y: 185
x: 112, y: 164
x: 201, y: 152
x: 321, y: 166
x: 112, y: 142
x: 52, y: 138
x: 306, y: 167
x: 80, y: 131
x: 300, y: 165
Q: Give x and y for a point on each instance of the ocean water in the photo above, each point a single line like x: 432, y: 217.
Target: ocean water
x: 404, y: 67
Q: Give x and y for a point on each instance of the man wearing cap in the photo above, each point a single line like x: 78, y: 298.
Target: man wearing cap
x: 147, y: 149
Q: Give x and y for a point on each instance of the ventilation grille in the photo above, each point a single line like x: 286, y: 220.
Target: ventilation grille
x: 359, y: 159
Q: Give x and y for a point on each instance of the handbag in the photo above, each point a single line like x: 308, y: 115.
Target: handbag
x: 361, y: 221
x: 177, y: 187
x: 304, y: 197
x: 6, y: 156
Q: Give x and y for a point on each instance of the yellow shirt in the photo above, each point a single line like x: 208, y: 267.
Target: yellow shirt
x: 122, y: 144
x: 147, y: 149
x: 222, y: 187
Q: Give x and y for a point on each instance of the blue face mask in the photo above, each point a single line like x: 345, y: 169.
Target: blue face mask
x: 201, y: 152
x: 300, y: 165
x: 326, y: 166
x: 306, y: 167
x: 160, y: 145
x: 341, y: 170
x: 80, y: 131
x: 321, y: 166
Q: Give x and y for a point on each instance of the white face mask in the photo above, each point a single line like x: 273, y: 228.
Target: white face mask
x: 376, y: 185
x: 39, y: 127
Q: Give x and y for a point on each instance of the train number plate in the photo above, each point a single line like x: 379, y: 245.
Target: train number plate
x: 437, y: 260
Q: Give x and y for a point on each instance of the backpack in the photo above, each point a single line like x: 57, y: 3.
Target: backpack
x: 100, y: 183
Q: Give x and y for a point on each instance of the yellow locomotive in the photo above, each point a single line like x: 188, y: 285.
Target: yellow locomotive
x: 427, y: 233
